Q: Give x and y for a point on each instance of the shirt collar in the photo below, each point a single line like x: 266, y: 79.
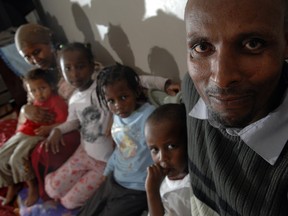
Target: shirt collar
x: 267, y: 136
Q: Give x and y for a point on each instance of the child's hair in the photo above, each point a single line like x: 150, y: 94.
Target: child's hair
x: 45, y: 75
x: 117, y: 72
x: 77, y: 46
x: 175, y: 113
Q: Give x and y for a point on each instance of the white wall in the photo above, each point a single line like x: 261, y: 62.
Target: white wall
x: 148, y: 35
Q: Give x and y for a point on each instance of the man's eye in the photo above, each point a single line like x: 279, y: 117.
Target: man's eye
x: 123, y: 97
x: 254, y: 44
x: 202, y: 47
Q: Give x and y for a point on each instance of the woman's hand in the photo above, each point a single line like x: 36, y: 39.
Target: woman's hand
x: 54, y: 140
x: 172, y: 88
x: 43, y: 130
x: 38, y: 114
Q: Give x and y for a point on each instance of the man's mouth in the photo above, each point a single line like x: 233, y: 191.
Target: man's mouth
x: 230, y: 102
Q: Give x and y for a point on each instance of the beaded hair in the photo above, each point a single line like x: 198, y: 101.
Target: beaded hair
x: 117, y: 72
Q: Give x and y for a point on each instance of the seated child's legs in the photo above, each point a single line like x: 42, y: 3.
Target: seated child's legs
x: 68, y: 179
x: 12, y: 191
x: 112, y: 200
x: 5, y: 154
x: 125, y: 202
x: 20, y: 159
x: 33, y: 194
x: 86, y: 186
x: 45, y: 162
x: 58, y: 183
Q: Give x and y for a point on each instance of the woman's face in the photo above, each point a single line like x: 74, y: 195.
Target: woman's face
x: 40, y: 55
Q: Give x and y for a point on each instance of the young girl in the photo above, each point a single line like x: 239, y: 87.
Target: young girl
x: 78, y: 178
x: 123, y: 192
x: 15, y: 163
x: 168, y: 183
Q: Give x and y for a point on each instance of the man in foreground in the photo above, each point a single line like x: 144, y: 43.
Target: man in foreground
x: 236, y: 98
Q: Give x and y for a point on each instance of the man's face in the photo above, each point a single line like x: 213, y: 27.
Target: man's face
x: 236, y: 51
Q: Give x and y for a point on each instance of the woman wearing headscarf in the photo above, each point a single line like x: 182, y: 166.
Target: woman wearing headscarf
x: 36, y: 45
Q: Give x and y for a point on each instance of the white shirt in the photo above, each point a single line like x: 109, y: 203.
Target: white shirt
x: 85, y: 113
x: 175, y: 196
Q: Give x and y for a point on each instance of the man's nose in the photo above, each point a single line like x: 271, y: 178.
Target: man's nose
x: 224, y: 71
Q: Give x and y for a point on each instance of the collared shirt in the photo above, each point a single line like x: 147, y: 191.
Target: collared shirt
x: 267, y: 136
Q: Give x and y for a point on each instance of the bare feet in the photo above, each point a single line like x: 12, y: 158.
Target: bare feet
x: 11, y: 194
x: 33, y: 194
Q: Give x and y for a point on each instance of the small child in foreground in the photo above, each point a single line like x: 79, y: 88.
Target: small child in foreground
x: 168, y: 183
x: 15, y: 166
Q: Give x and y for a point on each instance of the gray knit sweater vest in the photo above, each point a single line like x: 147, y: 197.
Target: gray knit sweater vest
x: 229, y: 176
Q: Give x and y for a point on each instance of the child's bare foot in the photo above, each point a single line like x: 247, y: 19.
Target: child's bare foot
x: 32, y: 196
x: 11, y: 194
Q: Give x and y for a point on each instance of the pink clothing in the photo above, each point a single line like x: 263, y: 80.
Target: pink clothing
x: 56, y: 105
x: 76, y: 180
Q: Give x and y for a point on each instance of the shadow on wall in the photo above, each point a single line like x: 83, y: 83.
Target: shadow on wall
x: 131, y: 40
x: 58, y: 31
x: 48, y: 20
x: 161, y: 63
x: 83, y: 24
x: 119, y: 42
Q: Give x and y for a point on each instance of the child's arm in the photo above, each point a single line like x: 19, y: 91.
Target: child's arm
x: 55, y: 137
x: 153, y: 182
x: 110, y: 164
x: 53, y: 141
x: 164, y: 84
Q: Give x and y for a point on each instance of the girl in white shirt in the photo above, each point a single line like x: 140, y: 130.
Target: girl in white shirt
x: 80, y: 176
